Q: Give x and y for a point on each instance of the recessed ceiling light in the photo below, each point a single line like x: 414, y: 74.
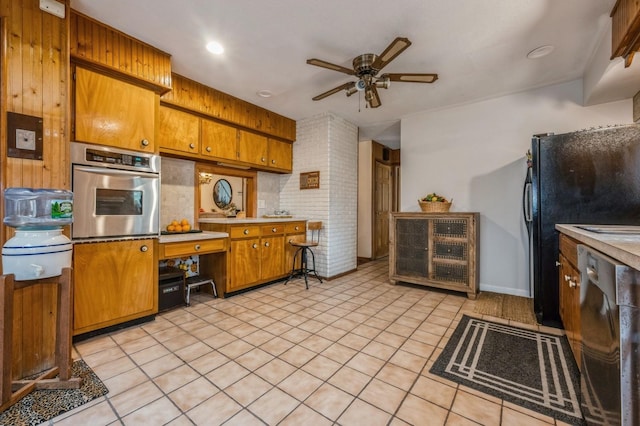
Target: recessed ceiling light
x: 264, y: 93
x: 541, y: 51
x: 215, y: 48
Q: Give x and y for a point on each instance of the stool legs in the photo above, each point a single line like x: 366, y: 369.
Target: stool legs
x: 304, y: 268
x: 198, y: 284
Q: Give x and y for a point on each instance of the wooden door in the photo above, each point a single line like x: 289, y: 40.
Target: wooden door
x: 219, y: 140
x: 382, y: 208
x: 113, y: 282
x: 112, y: 112
x: 252, y: 148
x: 280, y: 154
x: 178, y: 131
x: 244, y: 264
x: 272, y: 257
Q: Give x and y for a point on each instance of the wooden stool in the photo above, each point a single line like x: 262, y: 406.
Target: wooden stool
x: 304, y: 249
x: 12, y: 390
x: 197, y: 281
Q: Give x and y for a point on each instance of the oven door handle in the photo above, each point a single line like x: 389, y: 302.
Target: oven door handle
x: 113, y: 172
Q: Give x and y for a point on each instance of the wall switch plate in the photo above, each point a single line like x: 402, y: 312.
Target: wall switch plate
x: 53, y: 7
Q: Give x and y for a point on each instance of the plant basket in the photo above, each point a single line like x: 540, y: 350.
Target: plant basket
x: 434, y: 206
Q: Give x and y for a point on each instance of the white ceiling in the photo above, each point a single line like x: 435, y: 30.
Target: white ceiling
x: 478, y: 48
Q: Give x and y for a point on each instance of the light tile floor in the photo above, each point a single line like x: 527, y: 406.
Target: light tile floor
x: 351, y: 351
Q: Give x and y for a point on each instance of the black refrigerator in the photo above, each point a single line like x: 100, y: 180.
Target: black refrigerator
x: 585, y: 177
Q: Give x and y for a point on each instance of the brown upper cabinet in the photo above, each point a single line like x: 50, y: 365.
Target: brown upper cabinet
x: 252, y: 148
x: 625, y: 31
x: 178, y: 130
x: 280, y: 154
x: 112, y: 112
x: 219, y: 141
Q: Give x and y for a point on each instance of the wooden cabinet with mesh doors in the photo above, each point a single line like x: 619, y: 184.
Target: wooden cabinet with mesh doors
x: 435, y: 249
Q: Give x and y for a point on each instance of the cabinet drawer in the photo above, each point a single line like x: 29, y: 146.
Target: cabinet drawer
x: 451, y: 272
x: 569, y: 248
x: 188, y: 248
x: 244, y: 231
x: 457, y: 228
x: 450, y: 250
x: 294, y: 228
x: 274, y: 229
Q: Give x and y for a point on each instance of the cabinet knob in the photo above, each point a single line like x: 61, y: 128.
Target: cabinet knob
x: 144, y: 248
x: 567, y: 277
x: 558, y: 263
x: 208, y: 149
x: 197, y: 247
x: 266, y: 244
x: 273, y: 161
x: 273, y: 229
x: 144, y: 142
x: 296, y: 228
x: 426, y: 249
x: 572, y: 284
x: 254, y: 246
x: 246, y: 232
x: 263, y: 159
x: 192, y: 146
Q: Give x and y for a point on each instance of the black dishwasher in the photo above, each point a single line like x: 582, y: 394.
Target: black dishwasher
x: 171, y: 291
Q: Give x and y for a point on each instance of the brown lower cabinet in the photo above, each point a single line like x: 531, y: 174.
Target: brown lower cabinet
x: 258, y: 252
x: 114, y: 282
x: 569, y: 293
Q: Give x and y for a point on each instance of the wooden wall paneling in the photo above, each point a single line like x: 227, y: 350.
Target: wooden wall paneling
x: 101, y: 46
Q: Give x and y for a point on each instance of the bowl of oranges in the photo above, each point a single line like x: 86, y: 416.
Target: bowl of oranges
x: 179, y: 226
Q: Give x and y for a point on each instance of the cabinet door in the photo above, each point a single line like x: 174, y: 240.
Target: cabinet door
x: 272, y: 257
x: 113, y: 282
x: 252, y: 148
x: 112, y: 112
x: 219, y: 140
x: 244, y: 263
x: 280, y: 154
x: 412, y: 247
x: 178, y: 130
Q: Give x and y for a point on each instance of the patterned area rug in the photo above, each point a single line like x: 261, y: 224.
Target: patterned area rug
x: 42, y: 405
x: 506, y: 306
x: 531, y: 369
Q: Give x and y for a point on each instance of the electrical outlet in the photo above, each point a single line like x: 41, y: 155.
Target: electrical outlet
x: 53, y: 7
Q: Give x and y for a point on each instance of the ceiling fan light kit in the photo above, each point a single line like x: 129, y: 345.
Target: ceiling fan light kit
x: 366, y: 68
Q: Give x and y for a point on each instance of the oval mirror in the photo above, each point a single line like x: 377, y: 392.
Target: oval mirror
x: 222, y: 193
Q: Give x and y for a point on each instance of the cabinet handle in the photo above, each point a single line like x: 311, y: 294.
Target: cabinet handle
x: 208, y: 149
x: 567, y: 277
x: 192, y: 146
x: 426, y: 249
x: 558, y: 263
x: 246, y: 232
x: 296, y: 228
x: 144, y: 248
x: 144, y: 142
x: 572, y: 284
x: 273, y: 161
x: 273, y: 229
x: 254, y: 245
x: 263, y: 159
x: 266, y: 244
x: 197, y: 247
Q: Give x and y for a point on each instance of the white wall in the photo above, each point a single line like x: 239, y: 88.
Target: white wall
x: 365, y: 152
x: 328, y: 144
x: 475, y: 154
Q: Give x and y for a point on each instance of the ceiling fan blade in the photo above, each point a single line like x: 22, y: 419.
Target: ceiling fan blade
x: 372, y: 96
x: 411, y: 78
x: 345, y: 86
x: 396, y: 47
x: 328, y: 65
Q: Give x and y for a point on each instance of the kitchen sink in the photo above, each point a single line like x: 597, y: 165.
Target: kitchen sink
x: 611, y: 229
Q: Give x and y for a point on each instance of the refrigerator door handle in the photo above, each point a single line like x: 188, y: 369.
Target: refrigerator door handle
x: 526, y: 201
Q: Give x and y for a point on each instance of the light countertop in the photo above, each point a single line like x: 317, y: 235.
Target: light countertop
x: 192, y: 236
x: 624, y: 248
x: 249, y: 220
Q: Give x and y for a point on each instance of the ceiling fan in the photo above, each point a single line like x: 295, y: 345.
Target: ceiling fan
x: 366, y: 68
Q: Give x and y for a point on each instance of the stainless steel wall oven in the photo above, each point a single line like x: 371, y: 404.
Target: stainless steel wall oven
x: 116, y: 192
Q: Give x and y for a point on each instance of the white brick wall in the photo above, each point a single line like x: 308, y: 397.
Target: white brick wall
x: 328, y: 144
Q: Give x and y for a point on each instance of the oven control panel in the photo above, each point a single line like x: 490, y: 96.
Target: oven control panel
x: 118, y: 158
x: 114, y: 158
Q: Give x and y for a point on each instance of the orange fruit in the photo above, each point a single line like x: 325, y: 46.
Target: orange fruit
x: 171, y: 228
x: 186, y: 228
x: 178, y: 228
x: 184, y: 222
x: 175, y: 222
